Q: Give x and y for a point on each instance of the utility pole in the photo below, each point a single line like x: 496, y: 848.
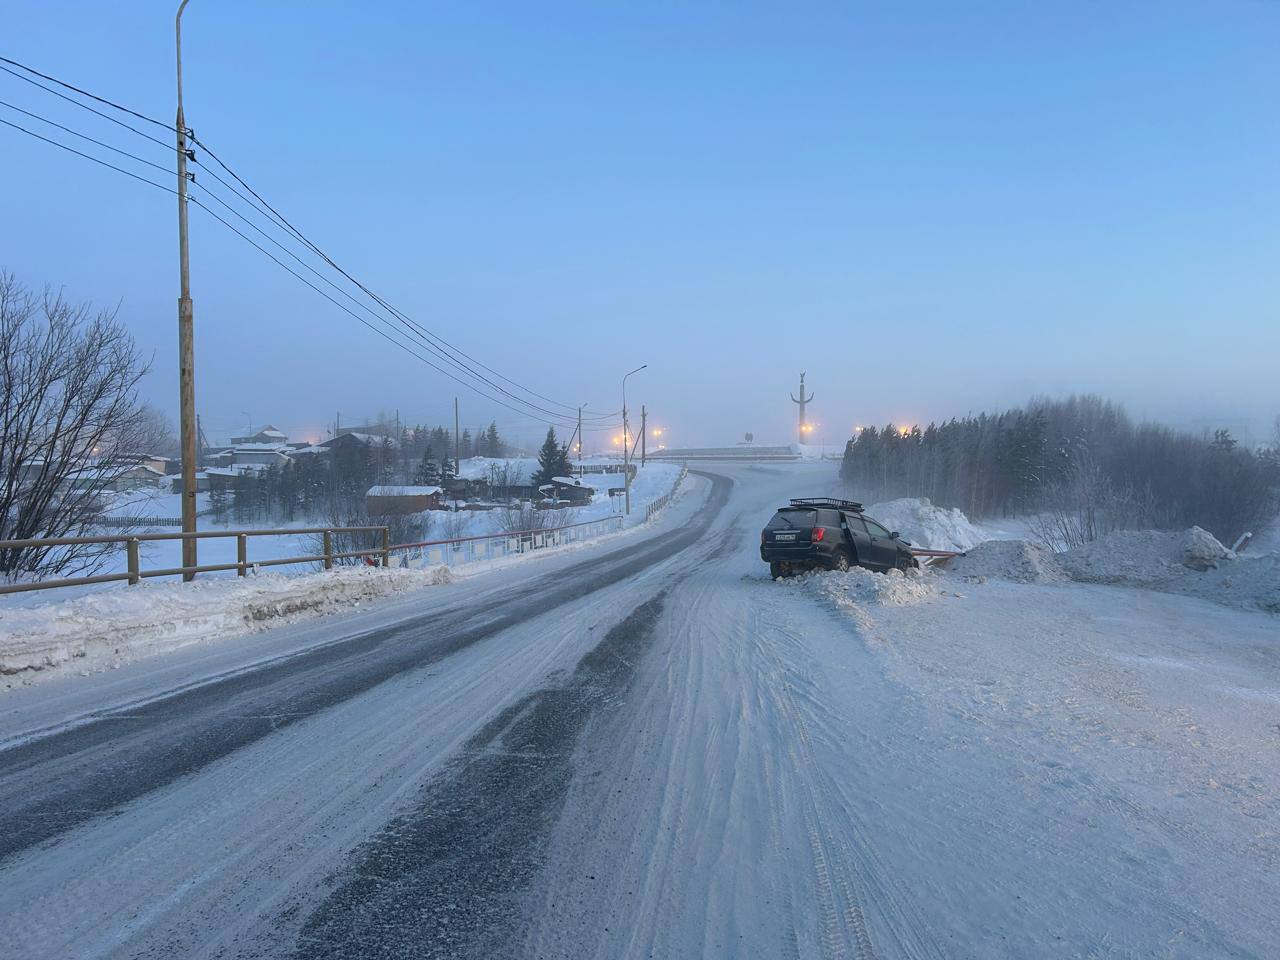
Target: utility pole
x: 626, y: 435
x: 644, y: 430
x: 457, y: 443
x: 580, y: 471
x: 803, y: 401
x: 186, y: 335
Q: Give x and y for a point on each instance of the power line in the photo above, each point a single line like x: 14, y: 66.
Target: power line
x: 383, y: 303
x: 85, y: 106
x: 82, y: 136
x: 104, y: 163
x: 281, y: 264
x: 431, y: 341
x: 86, y: 93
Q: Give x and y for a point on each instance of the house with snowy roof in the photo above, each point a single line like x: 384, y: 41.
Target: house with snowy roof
x: 267, y: 434
x: 384, y: 500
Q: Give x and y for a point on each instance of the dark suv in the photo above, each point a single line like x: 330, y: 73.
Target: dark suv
x: 831, y: 535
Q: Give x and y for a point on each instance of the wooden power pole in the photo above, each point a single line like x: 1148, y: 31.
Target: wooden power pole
x: 644, y: 430
x: 186, y: 337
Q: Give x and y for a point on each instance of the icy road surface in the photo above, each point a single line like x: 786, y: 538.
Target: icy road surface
x: 648, y: 749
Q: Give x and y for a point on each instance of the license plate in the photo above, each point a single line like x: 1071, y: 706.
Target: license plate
x: 784, y: 536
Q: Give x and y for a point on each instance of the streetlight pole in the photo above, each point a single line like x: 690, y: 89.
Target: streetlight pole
x: 626, y: 434
x: 186, y: 335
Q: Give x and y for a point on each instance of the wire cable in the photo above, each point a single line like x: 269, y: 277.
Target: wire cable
x: 378, y: 299
x: 437, y: 345
x: 32, y: 133
x: 86, y: 93
x: 82, y: 136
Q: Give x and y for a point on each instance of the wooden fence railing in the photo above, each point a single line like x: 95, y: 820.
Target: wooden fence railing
x: 135, y: 573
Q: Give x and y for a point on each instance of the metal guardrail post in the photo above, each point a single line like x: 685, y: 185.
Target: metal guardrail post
x: 386, y: 546
x: 328, y: 550
x: 131, y: 548
x: 242, y: 555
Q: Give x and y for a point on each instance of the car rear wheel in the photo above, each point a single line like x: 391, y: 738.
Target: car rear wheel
x: 777, y: 569
x: 840, y: 561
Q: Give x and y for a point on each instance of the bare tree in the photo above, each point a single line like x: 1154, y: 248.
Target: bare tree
x: 456, y: 524
x: 70, y: 425
x: 159, y: 437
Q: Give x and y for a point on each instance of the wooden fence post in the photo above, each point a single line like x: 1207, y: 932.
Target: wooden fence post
x: 242, y: 555
x: 386, y: 546
x: 328, y: 550
x: 131, y: 548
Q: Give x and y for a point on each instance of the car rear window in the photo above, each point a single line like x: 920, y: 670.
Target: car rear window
x: 791, y: 519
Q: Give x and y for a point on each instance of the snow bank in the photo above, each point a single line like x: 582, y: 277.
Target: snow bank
x: 852, y: 592
x: 1143, y: 556
x: 1019, y: 560
x: 103, y: 630
x: 1189, y: 562
x: 925, y: 525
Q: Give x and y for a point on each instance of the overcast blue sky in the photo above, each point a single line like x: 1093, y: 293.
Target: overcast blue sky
x: 931, y: 208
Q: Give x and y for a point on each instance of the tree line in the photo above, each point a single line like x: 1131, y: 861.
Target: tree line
x: 1080, y: 466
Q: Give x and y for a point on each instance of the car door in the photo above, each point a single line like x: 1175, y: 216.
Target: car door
x: 884, y: 549
x: 856, y: 531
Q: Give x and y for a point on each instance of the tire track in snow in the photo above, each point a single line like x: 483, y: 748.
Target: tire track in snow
x: 849, y: 871
x: 444, y: 879
x: 51, y: 784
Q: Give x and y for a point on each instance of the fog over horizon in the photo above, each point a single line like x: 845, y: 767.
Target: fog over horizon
x: 931, y: 212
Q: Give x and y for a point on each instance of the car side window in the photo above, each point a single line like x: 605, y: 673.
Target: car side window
x: 855, y: 523
x: 828, y: 518
x: 877, y: 530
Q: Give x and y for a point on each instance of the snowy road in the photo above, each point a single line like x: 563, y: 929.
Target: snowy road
x: 646, y: 748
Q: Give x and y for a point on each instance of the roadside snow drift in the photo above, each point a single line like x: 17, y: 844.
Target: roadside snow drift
x: 925, y: 525
x: 1191, y: 562
x: 105, y: 629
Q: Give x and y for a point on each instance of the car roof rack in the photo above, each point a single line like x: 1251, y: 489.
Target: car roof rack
x: 829, y: 502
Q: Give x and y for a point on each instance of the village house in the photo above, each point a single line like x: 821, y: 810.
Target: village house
x: 267, y: 434
x: 387, y: 500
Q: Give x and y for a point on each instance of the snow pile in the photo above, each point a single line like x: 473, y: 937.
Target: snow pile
x: 1143, y: 556
x: 925, y: 525
x: 1189, y: 562
x: 852, y: 591
x: 1019, y: 560
x: 105, y: 629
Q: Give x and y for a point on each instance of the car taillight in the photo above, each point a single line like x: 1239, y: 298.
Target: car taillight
x: 819, y: 533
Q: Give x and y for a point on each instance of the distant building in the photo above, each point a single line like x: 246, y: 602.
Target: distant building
x: 267, y: 434
x: 384, y: 500
x: 260, y: 455
x: 570, y: 490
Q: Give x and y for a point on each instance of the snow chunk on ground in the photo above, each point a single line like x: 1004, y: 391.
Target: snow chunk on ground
x: 1143, y: 556
x: 103, y: 630
x: 851, y: 592
x: 1019, y: 560
x: 1189, y: 562
x: 925, y: 525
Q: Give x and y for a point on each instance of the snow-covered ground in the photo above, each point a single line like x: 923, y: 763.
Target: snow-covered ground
x: 106, y: 629
x: 46, y: 633
x: 861, y: 765
x: 652, y: 482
